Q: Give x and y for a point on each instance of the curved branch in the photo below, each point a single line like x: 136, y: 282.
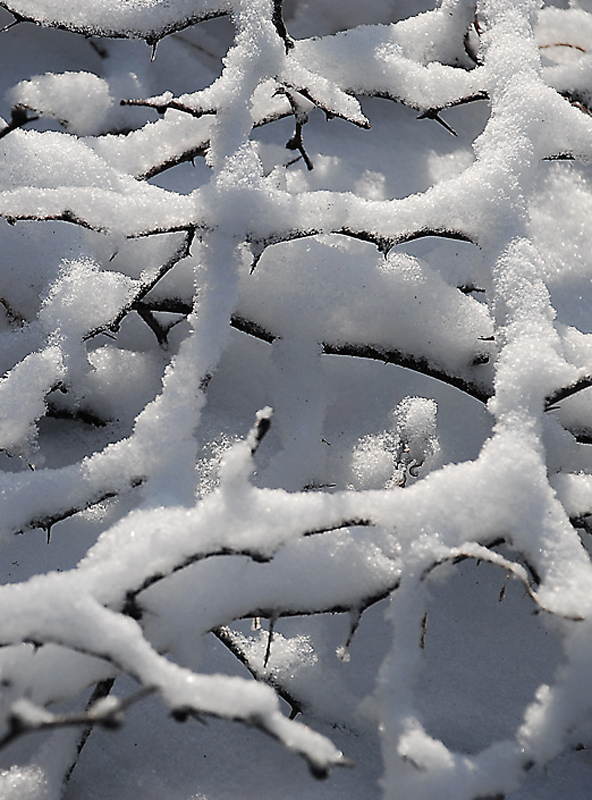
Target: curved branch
x: 479, y: 552
x: 383, y: 243
x: 479, y: 390
x: 360, y: 606
x: 132, y: 608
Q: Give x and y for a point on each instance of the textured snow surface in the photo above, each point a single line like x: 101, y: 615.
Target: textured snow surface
x: 149, y: 19
x: 295, y: 407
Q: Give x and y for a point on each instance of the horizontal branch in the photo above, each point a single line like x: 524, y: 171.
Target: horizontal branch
x: 479, y: 390
x: 199, y: 148
x: 47, y: 521
x: 383, y: 243
x: 86, y: 416
x: 163, y: 105
x: 132, y: 608
x: 426, y: 113
x: 63, y: 216
x: 148, y: 21
x: 27, y: 718
x: 361, y: 604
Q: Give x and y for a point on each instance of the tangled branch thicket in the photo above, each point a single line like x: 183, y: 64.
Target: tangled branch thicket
x: 178, y: 261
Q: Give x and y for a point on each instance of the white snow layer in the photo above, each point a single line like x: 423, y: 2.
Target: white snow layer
x: 309, y: 270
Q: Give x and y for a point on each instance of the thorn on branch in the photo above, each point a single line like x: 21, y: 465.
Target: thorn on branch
x: 435, y: 115
x: 354, y: 623
x: 181, y: 714
x: 19, y: 116
x: 408, y: 760
x: 319, y: 772
x: 502, y: 593
x: 272, y: 622
x: 424, y: 628
x: 262, y: 426
x: 101, y: 51
x: 16, y: 20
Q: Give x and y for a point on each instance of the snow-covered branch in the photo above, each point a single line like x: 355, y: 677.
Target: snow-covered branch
x: 276, y: 238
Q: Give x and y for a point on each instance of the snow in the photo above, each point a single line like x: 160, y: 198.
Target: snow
x: 149, y: 19
x: 80, y: 100
x: 285, y: 439
x: 25, y: 784
x: 22, y: 394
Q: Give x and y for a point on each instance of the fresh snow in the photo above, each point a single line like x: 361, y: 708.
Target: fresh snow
x: 294, y: 439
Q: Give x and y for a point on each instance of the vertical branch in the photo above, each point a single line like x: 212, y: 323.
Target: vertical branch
x: 280, y: 25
